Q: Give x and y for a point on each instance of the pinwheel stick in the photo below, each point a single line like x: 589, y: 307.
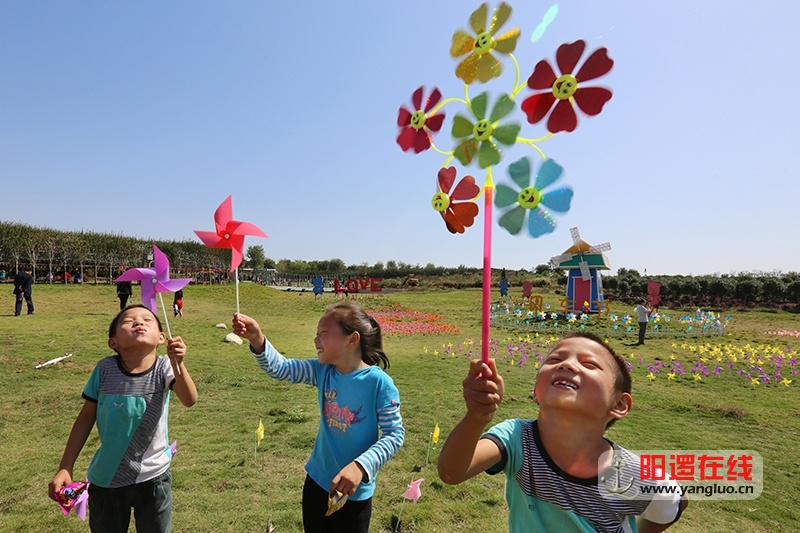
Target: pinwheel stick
x: 236, y: 275
x: 487, y: 268
x: 166, y: 322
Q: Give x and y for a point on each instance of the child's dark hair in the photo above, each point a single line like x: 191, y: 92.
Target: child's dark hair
x: 352, y: 317
x: 622, y: 376
x: 112, y: 329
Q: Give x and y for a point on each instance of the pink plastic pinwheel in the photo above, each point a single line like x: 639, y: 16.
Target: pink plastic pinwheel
x: 540, y: 221
x: 413, y: 492
x: 74, y: 496
x: 154, y: 279
x: 563, y: 90
x: 457, y: 215
x: 229, y: 233
x: 417, y: 127
x: 481, y: 64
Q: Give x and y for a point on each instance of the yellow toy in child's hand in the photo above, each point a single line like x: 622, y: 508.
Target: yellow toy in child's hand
x: 335, y: 502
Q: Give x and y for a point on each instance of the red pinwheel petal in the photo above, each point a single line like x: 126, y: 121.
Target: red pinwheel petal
x: 446, y: 177
x: 421, y: 141
x: 465, y: 213
x: 434, y: 122
x: 416, y: 98
x: 246, y: 228
x: 223, y: 215
x: 592, y: 99
x: 595, y: 66
x: 543, y: 76
x: 568, y: 55
x: 237, y: 243
x: 562, y: 118
x: 452, y: 222
x: 537, y: 106
x: 406, y: 139
x: 403, y: 117
x: 433, y: 99
x: 212, y: 239
x: 466, y: 189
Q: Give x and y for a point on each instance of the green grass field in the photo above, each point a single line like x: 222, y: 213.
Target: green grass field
x: 220, y: 485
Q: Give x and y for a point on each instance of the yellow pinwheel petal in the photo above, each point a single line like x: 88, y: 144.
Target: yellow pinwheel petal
x: 507, y: 43
x: 500, y: 17
x: 488, y: 67
x: 462, y: 44
x: 467, y: 70
x: 477, y: 20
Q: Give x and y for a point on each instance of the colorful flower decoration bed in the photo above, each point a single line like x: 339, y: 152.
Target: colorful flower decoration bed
x: 753, y: 365
x: 700, y: 324
x: 489, y: 122
x: 399, y: 320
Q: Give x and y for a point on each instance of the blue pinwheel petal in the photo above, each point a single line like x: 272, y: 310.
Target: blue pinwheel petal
x: 512, y: 220
x: 549, y: 172
x: 541, y: 223
x: 505, y: 196
x: 520, y: 172
x: 558, y: 200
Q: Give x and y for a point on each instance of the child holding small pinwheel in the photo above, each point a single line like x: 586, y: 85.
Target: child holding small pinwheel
x: 360, y: 424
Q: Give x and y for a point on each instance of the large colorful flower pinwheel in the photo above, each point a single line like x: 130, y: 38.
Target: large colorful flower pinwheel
x: 478, y: 138
x: 230, y: 233
x: 480, y: 64
x: 154, y: 279
x: 563, y: 90
x: 461, y: 215
x: 416, y: 126
x: 540, y: 221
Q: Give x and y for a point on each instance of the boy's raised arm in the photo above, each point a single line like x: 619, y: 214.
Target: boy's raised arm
x: 184, y: 385
x: 464, y: 454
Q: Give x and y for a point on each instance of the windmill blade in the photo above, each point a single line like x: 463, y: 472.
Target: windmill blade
x: 600, y: 248
x: 557, y: 260
x: 576, y: 237
x: 585, y: 274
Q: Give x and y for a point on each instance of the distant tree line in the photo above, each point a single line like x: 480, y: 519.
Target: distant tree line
x: 100, y: 255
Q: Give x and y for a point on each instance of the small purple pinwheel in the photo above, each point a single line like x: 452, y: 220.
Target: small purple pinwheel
x: 154, y: 279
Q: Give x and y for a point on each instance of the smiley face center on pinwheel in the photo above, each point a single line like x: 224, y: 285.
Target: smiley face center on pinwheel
x: 483, y: 43
x: 418, y: 119
x: 440, y: 201
x: 565, y: 86
x: 529, y: 197
x: 482, y: 130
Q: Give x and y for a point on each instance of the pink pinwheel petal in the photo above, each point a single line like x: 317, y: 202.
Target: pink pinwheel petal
x: 421, y: 141
x: 237, y: 243
x: 172, y: 285
x: 568, y: 55
x: 135, y: 274
x: 406, y: 139
x: 160, y: 263
x: 536, y: 106
x: 246, y: 228
x: 223, y: 215
x: 433, y: 99
x: 595, y: 66
x: 212, y: 239
x: 562, y: 118
x: 466, y: 189
x: 543, y: 76
x: 434, y: 122
x: 149, y: 294
x: 81, y: 504
x: 592, y: 99
x: 446, y: 177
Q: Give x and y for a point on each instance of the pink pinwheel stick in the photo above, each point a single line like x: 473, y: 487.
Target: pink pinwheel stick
x: 487, y: 272
x: 166, y: 322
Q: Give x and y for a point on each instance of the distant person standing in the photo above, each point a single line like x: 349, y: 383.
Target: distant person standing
x: 177, y: 303
x: 23, y: 285
x: 124, y: 292
x: 643, y: 314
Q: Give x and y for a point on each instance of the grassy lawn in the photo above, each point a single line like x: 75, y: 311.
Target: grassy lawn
x: 221, y: 485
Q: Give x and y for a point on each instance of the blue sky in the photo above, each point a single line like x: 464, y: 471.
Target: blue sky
x: 141, y: 117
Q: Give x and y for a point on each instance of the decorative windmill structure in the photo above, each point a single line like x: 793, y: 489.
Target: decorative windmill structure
x: 584, y: 263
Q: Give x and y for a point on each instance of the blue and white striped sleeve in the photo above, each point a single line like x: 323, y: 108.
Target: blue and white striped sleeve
x: 281, y: 368
x: 392, y: 436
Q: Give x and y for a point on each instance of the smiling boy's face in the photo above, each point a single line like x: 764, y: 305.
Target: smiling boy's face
x: 578, y: 375
x: 137, y: 327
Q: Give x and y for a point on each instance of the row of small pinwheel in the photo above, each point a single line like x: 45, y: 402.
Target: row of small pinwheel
x: 479, y: 134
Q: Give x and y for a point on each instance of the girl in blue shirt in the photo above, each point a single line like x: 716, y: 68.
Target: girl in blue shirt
x: 360, y: 423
